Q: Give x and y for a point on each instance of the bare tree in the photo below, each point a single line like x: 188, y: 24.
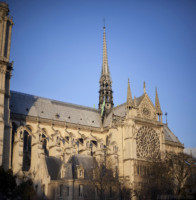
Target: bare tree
x: 126, y: 192
x: 156, y: 182
x: 181, y: 168
x: 169, y: 178
x: 104, y: 183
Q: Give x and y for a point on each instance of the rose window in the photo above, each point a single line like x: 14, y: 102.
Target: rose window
x: 148, y: 143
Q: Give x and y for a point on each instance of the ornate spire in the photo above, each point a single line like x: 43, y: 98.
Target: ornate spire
x: 130, y: 103
x: 105, y: 67
x: 157, y: 104
x: 105, y: 92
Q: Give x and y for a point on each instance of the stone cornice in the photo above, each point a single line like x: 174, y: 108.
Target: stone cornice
x: 141, y: 121
x: 5, y: 61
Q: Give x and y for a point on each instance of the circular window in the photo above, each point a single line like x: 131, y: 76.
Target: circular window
x: 148, y: 143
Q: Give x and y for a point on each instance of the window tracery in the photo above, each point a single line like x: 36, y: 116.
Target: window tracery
x: 148, y: 143
x: 145, y: 109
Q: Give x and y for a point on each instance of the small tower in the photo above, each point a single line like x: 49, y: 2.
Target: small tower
x: 105, y: 92
x: 158, y: 107
x: 130, y: 103
x: 5, y: 75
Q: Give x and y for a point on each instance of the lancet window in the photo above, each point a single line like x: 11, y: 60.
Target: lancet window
x: 26, y: 151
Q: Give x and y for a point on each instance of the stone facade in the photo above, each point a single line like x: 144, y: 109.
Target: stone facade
x: 56, y: 143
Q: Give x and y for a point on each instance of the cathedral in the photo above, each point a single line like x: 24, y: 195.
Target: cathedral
x: 56, y: 144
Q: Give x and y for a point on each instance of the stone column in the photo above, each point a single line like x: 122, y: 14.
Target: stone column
x: 5, y: 75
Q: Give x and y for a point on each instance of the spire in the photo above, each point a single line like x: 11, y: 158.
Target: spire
x: 105, y: 92
x: 105, y: 68
x: 157, y: 104
x: 144, y: 87
x: 129, y: 97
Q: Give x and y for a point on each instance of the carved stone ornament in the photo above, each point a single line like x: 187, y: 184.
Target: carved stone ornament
x: 148, y: 143
x: 145, y: 110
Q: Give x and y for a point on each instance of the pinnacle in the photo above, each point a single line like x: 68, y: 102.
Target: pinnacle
x: 157, y: 104
x: 129, y: 96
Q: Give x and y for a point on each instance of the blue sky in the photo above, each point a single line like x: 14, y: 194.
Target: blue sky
x: 57, y: 53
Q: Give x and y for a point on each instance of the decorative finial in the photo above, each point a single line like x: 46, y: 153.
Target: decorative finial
x: 104, y: 23
x: 166, y: 116
x: 144, y: 87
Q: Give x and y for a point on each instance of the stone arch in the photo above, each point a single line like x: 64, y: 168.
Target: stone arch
x: 24, y: 134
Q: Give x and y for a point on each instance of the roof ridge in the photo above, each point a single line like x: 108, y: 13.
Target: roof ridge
x: 120, y: 105
x: 57, y: 101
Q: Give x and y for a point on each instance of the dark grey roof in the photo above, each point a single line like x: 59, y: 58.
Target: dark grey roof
x: 169, y: 136
x: 30, y: 105
x: 118, y: 110
x: 87, y: 162
x: 35, y: 106
x: 54, y: 166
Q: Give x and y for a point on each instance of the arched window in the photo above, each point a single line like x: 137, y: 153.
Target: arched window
x: 14, y: 128
x: 26, y: 151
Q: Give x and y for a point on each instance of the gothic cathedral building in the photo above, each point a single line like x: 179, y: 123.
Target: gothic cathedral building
x: 56, y: 143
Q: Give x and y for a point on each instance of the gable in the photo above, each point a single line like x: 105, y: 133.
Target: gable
x: 146, y: 108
